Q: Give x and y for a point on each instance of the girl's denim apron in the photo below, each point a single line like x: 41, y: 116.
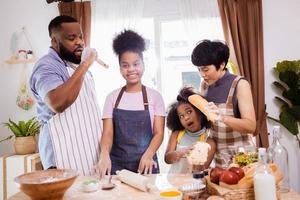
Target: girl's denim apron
x: 132, y: 136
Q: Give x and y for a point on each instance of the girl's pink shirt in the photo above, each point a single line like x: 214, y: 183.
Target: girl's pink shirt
x: 134, y: 101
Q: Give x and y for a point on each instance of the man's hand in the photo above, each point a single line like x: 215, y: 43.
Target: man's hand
x: 88, y: 56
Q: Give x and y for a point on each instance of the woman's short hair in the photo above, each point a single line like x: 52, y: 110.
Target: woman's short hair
x: 210, y: 53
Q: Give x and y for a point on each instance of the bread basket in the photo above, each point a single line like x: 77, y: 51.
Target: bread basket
x: 232, y: 194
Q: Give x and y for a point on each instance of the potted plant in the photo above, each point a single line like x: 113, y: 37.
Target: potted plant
x: 24, y: 133
x: 288, y: 73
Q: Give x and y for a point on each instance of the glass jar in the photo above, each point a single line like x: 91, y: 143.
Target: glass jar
x: 278, y: 155
x: 263, y: 178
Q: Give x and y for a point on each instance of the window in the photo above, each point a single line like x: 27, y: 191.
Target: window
x: 167, y: 60
x: 191, y: 78
x: 168, y: 63
x: 176, y: 68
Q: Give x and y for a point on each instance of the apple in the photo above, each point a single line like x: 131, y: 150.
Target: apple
x: 229, y: 177
x: 238, y: 171
x: 215, y: 174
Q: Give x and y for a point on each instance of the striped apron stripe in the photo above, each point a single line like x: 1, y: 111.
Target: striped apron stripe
x: 76, y: 132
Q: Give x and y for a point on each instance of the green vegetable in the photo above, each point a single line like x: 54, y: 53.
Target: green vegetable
x: 243, y: 159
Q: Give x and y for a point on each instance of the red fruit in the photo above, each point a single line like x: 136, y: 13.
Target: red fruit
x: 229, y: 178
x: 215, y: 174
x: 238, y: 171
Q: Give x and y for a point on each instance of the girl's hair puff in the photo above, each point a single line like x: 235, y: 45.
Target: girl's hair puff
x: 129, y: 40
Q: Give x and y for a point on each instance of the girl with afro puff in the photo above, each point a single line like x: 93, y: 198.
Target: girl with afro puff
x: 133, y: 115
x: 188, y: 125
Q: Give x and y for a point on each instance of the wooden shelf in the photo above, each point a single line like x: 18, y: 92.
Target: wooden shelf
x: 12, y: 166
x: 14, y: 60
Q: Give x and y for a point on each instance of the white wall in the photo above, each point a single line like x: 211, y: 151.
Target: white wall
x: 281, y: 21
x: 35, y: 15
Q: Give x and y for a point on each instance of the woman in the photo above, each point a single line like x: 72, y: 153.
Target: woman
x: 133, y: 116
x: 229, y: 95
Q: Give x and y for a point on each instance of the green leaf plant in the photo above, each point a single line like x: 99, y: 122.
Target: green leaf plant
x: 288, y: 73
x: 27, y: 128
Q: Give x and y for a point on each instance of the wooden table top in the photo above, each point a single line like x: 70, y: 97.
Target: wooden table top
x: 125, y: 192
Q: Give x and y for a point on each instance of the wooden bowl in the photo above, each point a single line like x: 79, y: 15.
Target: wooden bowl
x: 47, y: 184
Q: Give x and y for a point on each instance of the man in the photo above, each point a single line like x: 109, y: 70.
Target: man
x: 67, y: 105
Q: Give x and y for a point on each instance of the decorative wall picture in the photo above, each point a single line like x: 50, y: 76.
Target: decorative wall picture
x: 21, y: 48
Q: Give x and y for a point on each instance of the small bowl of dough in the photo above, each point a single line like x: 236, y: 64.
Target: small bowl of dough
x: 91, y: 185
x: 170, y: 195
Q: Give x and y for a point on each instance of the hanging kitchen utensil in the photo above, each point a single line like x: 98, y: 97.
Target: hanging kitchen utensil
x: 24, y: 98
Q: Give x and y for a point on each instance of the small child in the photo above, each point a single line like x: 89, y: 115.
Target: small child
x: 188, y: 125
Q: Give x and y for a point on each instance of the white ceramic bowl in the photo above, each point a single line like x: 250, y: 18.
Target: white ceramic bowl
x: 91, y: 185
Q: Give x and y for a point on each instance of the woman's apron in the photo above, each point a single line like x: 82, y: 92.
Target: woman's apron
x: 76, y: 132
x: 132, y: 136
x: 183, y: 166
x: 227, y: 139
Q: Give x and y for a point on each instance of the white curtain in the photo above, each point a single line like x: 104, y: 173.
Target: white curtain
x: 197, y: 14
x: 110, y: 18
x: 120, y: 14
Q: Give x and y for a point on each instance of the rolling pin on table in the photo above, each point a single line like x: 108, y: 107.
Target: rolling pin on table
x: 126, y: 192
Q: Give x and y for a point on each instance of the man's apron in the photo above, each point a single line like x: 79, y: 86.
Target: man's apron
x: 76, y: 132
x: 227, y: 139
x: 132, y: 136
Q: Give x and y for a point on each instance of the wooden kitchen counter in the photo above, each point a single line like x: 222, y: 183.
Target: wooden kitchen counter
x: 125, y: 192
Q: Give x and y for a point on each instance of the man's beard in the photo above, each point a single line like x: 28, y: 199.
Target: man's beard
x: 67, y: 55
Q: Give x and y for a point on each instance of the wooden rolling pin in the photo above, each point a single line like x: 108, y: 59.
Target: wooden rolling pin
x: 200, y: 103
x: 100, y: 62
x: 135, y: 180
x: 85, y: 53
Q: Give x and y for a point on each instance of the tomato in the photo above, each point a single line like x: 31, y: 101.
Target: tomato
x: 238, y: 171
x: 229, y: 177
x: 215, y: 174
